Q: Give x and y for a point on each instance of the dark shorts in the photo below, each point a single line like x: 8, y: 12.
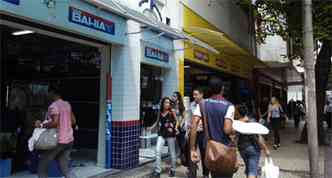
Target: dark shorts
x: 250, y: 156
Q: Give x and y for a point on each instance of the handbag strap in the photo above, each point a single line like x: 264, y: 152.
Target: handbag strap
x: 205, y: 119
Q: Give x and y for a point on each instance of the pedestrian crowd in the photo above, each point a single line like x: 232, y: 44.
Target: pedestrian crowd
x: 206, y: 136
x: 199, y: 135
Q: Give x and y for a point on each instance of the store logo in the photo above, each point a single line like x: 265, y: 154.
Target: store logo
x: 201, y: 56
x: 16, y: 2
x: 86, y: 19
x: 157, y: 54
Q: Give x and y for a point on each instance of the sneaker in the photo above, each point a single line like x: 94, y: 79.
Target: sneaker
x: 278, y: 146
x: 155, y: 175
x: 171, y: 174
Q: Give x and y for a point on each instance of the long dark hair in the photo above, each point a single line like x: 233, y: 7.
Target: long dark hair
x: 162, y: 103
x: 180, y: 100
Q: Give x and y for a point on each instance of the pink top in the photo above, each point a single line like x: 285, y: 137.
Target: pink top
x: 65, y: 130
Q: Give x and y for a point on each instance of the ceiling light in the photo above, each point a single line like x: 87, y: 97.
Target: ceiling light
x: 22, y: 32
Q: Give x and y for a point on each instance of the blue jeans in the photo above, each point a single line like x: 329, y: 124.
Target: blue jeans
x: 171, y: 147
x: 250, y: 156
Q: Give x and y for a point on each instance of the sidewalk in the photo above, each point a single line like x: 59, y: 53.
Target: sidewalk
x: 328, y: 156
x: 292, y: 158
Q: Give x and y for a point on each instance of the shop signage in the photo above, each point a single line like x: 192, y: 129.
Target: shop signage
x: 16, y: 2
x: 201, y: 55
x: 221, y: 63
x: 157, y: 54
x: 86, y: 19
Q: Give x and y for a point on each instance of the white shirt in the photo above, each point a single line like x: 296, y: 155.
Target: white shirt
x: 229, y: 114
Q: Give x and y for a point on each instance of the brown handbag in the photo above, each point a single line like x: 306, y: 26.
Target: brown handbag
x: 220, y: 159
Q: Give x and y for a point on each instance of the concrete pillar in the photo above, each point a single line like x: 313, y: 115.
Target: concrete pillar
x: 105, y: 70
x: 126, y: 100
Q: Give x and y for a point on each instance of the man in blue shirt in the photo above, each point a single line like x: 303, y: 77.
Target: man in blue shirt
x: 220, y: 114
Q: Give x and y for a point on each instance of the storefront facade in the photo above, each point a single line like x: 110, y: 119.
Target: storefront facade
x: 158, y: 79
x: 69, y: 44
x: 231, y: 63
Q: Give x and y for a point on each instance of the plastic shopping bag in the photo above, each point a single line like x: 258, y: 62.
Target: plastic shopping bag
x: 269, y: 169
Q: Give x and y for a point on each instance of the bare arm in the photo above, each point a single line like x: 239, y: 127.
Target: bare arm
x: 269, y: 116
x: 193, y: 132
x: 228, y: 128
x: 263, y: 146
x: 73, y: 119
x: 192, y: 140
x: 228, y: 123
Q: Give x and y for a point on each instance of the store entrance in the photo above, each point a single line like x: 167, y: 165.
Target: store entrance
x: 151, y: 93
x: 197, y: 76
x: 31, y: 62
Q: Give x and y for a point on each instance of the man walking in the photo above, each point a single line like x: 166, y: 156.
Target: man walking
x: 201, y: 140
x: 220, y: 114
x: 61, y: 117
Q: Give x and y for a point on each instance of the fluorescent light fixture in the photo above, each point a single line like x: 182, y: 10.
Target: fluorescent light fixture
x: 22, y: 32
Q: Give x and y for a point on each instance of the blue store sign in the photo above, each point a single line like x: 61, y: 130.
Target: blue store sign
x: 157, y: 54
x: 86, y: 19
x: 16, y: 2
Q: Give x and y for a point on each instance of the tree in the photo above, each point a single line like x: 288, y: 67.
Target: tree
x: 284, y: 18
x: 310, y: 90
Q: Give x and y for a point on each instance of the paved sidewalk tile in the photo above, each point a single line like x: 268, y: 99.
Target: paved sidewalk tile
x: 292, y: 158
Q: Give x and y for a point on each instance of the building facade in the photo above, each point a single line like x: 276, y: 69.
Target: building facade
x: 115, y: 60
x: 108, y: 57
x: 228, y: 32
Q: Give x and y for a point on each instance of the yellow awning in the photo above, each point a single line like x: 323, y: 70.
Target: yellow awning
x: 224, y: 45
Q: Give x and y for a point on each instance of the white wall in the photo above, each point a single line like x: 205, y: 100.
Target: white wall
x: 227, y: 17
x: 273, y: 49
x: 172, y: 10
x: 126, y: 77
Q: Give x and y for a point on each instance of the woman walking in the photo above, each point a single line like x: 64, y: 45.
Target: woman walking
x: 275, y: 114
x: 250, y: 146
x: 179, y: 109
x: 167, y: 132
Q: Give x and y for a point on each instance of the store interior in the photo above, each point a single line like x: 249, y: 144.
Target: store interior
x: 151, y: 93
x: 197, y: 76
x: 30, y: 63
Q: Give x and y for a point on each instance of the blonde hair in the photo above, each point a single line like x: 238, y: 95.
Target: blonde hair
x: 276, y: 101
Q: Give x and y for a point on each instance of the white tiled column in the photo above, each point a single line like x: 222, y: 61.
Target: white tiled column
x: 125, y: 100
